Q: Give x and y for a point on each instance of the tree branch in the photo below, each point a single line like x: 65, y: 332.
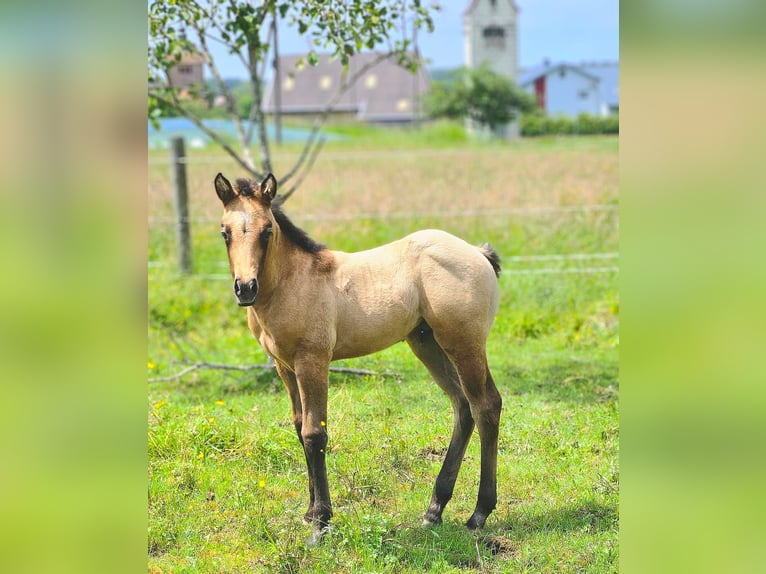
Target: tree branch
x: 195, y: 366
x: 305, y: 172
x: 237, y: 24
x: 253, y: 107
x: 258, y: 107
x: 262, y: 367
x: 230, y: 105
x: 173, y: 103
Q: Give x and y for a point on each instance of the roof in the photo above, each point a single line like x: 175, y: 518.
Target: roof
x: 192, y: 58
x: 385, y: 92
x: 472, y: 6
x: 187, y: 58
x: 531, y: 74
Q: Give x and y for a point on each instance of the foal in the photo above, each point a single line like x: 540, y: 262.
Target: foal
x: 308, y: 306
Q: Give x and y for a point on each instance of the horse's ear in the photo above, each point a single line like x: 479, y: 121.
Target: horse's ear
x: 269, y: 188
x: 223, y: 189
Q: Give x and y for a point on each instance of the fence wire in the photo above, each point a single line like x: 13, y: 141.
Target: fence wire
x: 515, y: 258
x: 161, y: 219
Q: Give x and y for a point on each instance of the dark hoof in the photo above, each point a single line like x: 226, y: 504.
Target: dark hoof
x: 476, y: 521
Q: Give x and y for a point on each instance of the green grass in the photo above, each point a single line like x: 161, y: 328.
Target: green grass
x: 227, y: 483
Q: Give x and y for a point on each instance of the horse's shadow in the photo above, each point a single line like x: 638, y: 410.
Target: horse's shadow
x: 588, y: 516
x: 452, y: 543
x: 580, y: 381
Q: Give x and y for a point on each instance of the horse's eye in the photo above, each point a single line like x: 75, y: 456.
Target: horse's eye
x: 225, y: 235
x: 264, y: 236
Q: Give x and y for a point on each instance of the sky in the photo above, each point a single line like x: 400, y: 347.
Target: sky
x: 559, y: 30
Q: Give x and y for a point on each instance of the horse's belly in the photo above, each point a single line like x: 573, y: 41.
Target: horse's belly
x: 369, y: 336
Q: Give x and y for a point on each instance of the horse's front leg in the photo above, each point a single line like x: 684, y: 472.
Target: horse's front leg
x: 312, y: 376
x: 291, y: 384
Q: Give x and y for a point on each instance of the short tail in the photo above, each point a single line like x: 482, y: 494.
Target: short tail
x: 489, y: 252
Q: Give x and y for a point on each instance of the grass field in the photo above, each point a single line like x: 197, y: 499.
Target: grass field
x: 227, y: 485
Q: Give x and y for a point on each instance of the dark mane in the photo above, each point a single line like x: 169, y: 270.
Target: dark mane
x: 245, y: 187
x: 295, y: 234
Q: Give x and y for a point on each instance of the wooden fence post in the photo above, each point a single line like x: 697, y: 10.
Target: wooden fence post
x: 181, y: 200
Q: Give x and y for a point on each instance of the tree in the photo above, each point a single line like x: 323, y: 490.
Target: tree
x: 342, y: 27
x: 479, y: 94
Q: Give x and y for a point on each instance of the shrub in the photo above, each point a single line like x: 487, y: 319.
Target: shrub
x: 533, y: 125
x: 485, y: 97
x: 611, y: 124
x: 560, y: 125
x: 588, y: 124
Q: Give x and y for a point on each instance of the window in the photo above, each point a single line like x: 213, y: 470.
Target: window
x: 494, y: 36
x: 493, y: 32
x: 184, y: 69
x: 582, y: 94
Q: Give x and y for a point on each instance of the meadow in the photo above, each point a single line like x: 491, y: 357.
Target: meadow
x: 227, y: 485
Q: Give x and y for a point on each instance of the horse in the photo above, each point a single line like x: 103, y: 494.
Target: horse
x: 308, y: 305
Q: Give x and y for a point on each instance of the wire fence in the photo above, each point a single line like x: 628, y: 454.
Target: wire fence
x: 521, y: 211
x: 565, y: 257
x: 526, y: 211
x: 546, y: 271
x: 341, y: 155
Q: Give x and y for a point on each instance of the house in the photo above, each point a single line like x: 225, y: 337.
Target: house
x: 386, y: 93
x: 190, y: 71
x: 572, y: 89
x: 608, y: 74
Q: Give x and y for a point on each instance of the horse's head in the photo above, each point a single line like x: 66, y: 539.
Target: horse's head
x: 246, y: 227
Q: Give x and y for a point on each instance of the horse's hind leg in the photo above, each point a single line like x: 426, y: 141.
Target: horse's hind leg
x: 464, y: 343
x: 487, y: 415
x: 486, y: 404
x: 422, y: 343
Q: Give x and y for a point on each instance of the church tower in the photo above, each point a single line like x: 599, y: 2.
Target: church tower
x: 490, y: 32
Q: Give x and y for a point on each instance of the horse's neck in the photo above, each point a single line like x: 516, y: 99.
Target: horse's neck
x: 283, y: 262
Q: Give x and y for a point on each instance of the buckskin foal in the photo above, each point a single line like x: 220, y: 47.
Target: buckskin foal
x: 308, y: 305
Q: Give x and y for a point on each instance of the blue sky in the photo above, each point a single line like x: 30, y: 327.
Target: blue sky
x: 569, y: 30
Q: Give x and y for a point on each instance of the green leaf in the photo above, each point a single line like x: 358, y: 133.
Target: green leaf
x: 313, y: 58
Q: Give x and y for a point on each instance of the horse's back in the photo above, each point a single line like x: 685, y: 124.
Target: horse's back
x: 382, y: 294
x: 439, y: 252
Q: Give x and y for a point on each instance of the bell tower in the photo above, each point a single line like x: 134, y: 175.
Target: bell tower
x: 490, y: 33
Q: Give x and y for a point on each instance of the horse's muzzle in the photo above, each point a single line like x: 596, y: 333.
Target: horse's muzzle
x: 246, y: 292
